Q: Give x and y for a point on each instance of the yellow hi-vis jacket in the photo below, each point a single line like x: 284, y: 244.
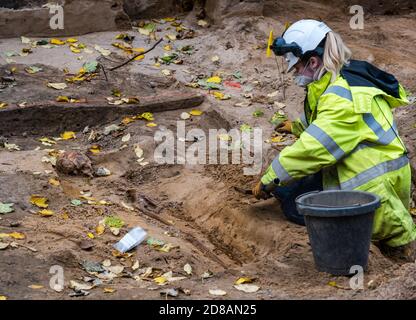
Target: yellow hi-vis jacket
x: 351, y: 136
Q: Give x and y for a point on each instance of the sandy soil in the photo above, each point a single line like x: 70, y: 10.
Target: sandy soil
x: 196, y: 208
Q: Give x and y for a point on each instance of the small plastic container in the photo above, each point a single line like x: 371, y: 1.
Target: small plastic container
x: 131, y: 240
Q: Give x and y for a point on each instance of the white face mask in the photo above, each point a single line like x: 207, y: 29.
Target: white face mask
x: 302, y: 80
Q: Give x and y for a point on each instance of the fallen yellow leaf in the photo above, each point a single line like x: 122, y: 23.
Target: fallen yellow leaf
x: 36, y: 286
x: 147, y: 116
x: 90, y: 235
x: 39, y: 201
x: 139, y: 58
x: 14, y: 235
x: 214, y: 80
x: 47, y: 141
x: 54, y: 182
x: 151, y: 125
x: 75, y: 50
x: 65, y: 216
x: 46, y: 213
x: 100, y: 229
x: 127, y: 120
x: 169, y: 19
x: 276, y: 139
x: 109, y: 290
x: 3, y: 105
x: 72, y: 40
x: 62, y: 99
x: 57, y: 42
x: 244, y: 280
x: 67, y: 135
x: 220, y: 95
x: 95, y: 149
x: 167, y: 47
x: 196, y: 112
x: 2, y: 298
x: 160, y: 280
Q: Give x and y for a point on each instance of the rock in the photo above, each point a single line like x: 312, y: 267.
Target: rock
x: 102, y: 172
x: 74, y: 163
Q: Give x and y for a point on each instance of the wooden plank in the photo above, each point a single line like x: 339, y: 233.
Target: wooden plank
x: 52, y: 117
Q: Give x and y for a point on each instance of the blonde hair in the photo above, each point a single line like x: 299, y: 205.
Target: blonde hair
x: 336, y: 55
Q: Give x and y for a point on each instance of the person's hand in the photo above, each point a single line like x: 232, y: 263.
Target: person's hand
x: 259, y: 193
x: 284, y: 127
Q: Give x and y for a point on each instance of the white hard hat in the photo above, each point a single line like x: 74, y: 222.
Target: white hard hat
x: 307, y: 34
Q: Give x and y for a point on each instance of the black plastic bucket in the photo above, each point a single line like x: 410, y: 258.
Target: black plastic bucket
x: 339, y: 225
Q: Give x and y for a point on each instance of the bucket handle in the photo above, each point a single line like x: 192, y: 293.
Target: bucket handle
x: 325, y: 206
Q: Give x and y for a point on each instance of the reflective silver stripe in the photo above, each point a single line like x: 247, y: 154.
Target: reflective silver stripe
x: 303, y: 120
x: 326, y: 141
x: 374, y: 172
x: 339, y: 91
x: 384, y: 137
x: 281, y: 172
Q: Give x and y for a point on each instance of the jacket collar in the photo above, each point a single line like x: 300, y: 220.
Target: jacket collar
x: 316, y: 89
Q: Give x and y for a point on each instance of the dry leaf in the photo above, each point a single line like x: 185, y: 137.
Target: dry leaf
x: 196, y: 112
x: 247, y: 288
x: 95, y: 149
x: 139, y: 151
x: 136, y: 265
x: 166, y: 72
x: 126, y: 138
x: 188, y: 269
x: 46, y: 213
x: 185, y: 115
x: 215, y: 79
x: 109, y: 290
x: 67, y: 135
x: 57, y: 42
x: 39, y: 201
x: 220, y: 95
x: 57, y: 86
x: 217, y: 292
x: 160, y: 280
x: 215, y: 59
x: 54, y: 182
x: 62, y: 99
x: 35, y: 286
x: 244, y: 280
x: 104, y: 52
x: 100, y: 229
x: 14, y: 235
x: 79, y: 286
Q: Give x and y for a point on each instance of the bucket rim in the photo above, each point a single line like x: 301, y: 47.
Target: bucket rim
x: 330, y: 212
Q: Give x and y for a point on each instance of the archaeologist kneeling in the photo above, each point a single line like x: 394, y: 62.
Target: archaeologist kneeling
x: 348, y: 138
